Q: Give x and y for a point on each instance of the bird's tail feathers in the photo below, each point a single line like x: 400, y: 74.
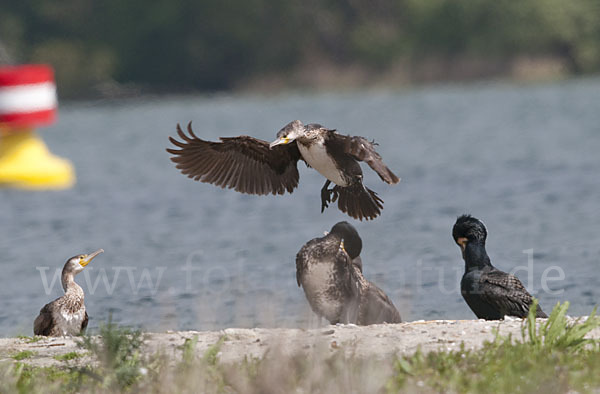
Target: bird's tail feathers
x: 358, y: 201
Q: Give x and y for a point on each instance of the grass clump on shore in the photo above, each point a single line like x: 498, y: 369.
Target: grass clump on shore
x: 68, y: 356
x: 29, y: 339
x: 118, y: 351
x: 23, y: 355
x: 553, y: 357
x: 557, y: 333
x: 22, y: 378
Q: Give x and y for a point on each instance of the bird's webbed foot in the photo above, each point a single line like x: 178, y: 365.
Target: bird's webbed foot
x: 326, y: 195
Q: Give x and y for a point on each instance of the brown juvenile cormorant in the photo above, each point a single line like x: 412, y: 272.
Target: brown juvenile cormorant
x: 66, y: 315
x: 254, y: 166
x: 329, y: 270
x: 490, y: 293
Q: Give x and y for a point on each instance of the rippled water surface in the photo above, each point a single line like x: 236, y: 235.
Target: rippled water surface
x: 185, y: 255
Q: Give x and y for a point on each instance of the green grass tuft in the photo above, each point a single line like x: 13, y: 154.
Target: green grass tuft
x: 557, y: 333
x: 210, y: 356
x: 119, y: 352
x: 23, y: 355
x: 188, y: 350
x: 68, y: 356
x: 553, y: 357
x: 28, y: 339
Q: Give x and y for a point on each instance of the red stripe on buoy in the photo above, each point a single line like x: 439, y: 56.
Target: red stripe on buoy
x: 28, y: 119
x: 26, y: 74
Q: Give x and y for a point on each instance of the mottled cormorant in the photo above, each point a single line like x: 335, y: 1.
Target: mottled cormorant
x: 330, y: 271
x: 490, y: 293
x: 254, y: 166
x: 66, y: 315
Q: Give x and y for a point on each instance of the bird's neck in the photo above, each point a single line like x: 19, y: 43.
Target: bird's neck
x: 310, y: 138
x: 357, y: 262
x: 476, y: 256
x: 69, y: 286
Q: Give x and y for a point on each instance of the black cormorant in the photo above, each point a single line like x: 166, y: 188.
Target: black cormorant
x: 330, y: 271
x: 490, y: 293
x: 254, y: 166
x: 66, y: 315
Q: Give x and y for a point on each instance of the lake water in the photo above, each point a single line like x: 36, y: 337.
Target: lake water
x: 186, y: 255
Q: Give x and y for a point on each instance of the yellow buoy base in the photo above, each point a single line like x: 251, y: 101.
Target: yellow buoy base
x: 26, y: 163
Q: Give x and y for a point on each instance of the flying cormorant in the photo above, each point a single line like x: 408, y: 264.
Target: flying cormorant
x: 66, y: 315
x: 328, y: 270
x: 253, y: 166
x: 490, y: 293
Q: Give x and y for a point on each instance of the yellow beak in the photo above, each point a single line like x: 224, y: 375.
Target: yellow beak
x: 280, y: 141
x: 342, y: 246
x: 86, y: 259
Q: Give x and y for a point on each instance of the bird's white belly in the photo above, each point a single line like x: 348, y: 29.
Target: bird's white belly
x: 318, y: 278
x: 70, y: 323
x: 316, y: 156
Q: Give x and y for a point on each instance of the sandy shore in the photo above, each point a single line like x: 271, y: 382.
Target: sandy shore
x: 371, y: 341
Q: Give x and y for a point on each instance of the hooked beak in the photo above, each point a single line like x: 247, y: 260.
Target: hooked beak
x: 280, y: 141
x: 85, y: 261
x: 462, y: 242
x: 342, y: 246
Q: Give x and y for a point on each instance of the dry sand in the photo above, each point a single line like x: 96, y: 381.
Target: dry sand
x: 370, y: 341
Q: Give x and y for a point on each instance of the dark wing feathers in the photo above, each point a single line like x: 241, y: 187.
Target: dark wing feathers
x: 507, y: 294
x: 44, y: 322
x: 377, y: 307
x: 85, y: 321
x: 363, y: 150
x: 243, y: 163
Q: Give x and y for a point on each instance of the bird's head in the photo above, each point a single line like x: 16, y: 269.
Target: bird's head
x: 76, y: 264
x: 288, y: 133
x: 468, y: 229
x: 352, y: 243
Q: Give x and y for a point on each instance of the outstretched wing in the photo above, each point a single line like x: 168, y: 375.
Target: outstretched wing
x: 242, y: 163
x: 361, y: 149
x: 44, y: 322
x: 506, y: 293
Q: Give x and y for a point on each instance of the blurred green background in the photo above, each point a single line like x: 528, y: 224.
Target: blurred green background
x: 125, y: 47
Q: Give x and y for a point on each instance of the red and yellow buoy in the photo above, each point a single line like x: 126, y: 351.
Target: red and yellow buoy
x: 27, y: 100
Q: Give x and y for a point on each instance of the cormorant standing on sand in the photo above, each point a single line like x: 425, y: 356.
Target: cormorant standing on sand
x: 490, y: 293
x: 66, y: 315
x: 330, y: 271
x: 253, y: 166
